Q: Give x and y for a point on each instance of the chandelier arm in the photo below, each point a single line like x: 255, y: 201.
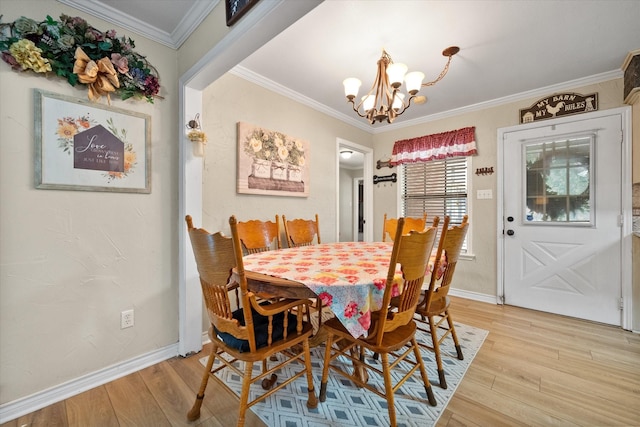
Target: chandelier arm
x: 356, y: 108
x: 442, y: 74
x: 405, y: 105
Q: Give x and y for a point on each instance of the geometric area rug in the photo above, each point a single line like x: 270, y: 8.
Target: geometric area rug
x: 348, y: 405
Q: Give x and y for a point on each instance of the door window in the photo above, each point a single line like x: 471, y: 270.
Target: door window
x: 558, y: 182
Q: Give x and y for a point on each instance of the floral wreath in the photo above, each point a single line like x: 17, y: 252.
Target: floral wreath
x: 68, y: 127
x: 78, y: 52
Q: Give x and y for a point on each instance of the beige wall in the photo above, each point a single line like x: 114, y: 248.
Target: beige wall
x: 230, y: 100
x: 480, y: 274
x: 212, y: 29
x: 71, y: 261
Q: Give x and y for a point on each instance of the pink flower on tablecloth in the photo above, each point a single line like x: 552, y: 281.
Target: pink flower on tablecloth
x: 326, y: 299
x: 327, y: 280
x: 365, y: 320
x: 302, y: 269
x: 304, y: 264
x: 371, y: 270
x: 379, y: 283
x: 348, y: 271
x: 442, y: 266
x: 279, y: 269
x: 395, y: 291
x: 350, y: 310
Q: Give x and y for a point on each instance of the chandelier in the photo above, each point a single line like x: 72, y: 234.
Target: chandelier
x: 384, y: 101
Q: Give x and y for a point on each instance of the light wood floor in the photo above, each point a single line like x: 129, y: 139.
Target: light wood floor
x: 534, y: 369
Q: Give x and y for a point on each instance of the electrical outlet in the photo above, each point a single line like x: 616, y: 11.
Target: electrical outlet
x: 126, y: 319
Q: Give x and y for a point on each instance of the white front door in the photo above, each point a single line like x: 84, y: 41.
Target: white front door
x: 562, y: 213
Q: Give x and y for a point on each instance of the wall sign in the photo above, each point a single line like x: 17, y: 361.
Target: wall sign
x: 98, y: 149
x: 558, y: 105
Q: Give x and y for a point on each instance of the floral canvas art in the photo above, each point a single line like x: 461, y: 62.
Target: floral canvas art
x: 271, y: 162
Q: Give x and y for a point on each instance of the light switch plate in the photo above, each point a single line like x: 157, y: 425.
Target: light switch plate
x: 484, y: 194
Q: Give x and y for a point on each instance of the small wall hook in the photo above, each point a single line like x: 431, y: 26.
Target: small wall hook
x: 484, y: 171
x: 195, y: 123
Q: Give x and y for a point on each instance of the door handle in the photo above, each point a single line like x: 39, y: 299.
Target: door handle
x: 510, y: 232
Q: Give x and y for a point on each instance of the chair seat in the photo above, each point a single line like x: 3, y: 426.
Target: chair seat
x: 260, y: 327
x: 265, y: 351
x: 391, y: 341
x: 436, y: 308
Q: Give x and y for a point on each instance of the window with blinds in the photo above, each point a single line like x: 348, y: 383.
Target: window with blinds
x: 437, y: 187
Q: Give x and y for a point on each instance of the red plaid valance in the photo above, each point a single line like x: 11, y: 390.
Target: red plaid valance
x: 461, y: 142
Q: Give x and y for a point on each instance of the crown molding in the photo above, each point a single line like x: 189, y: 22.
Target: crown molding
x: 268, y: 84
x: 187, y: 25
x: 365, y: 126
x: 535, y: 93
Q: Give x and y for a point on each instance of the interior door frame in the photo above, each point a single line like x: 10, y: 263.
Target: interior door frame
x: 625, y: 255
x: 356, y: 209
x: 367, y: 176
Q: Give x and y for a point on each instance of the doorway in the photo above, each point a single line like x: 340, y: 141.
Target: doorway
x: 354, y: 190
x: 562, y: 210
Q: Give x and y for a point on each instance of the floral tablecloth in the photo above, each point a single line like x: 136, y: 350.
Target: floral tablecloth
x: 348, y: 277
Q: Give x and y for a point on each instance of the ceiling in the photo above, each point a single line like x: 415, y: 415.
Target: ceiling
x: 509, y: 50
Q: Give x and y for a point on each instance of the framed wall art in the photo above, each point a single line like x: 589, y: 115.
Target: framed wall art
x: 271, y: 162
x: 235, y: 9
x: 80, y: 145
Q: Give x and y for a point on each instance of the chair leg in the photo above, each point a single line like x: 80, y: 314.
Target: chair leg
x: 454, y: 336
x: 244, y: 395
x: 423, y: 373
x: 267, y: 383
x: 312, y: 401
x: 388, y: 388
x: 325, y: 368
x: 194, y: 413
x: 436, y: 350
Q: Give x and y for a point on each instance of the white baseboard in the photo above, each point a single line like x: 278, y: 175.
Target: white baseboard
x: 17, y: 408
x: 491, y: 299
x: 25, y: 405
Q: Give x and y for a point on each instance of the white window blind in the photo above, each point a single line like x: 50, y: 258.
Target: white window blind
x: 438, y: 187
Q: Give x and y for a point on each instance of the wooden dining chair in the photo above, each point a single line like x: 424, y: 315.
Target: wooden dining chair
x: 259, y: 236
x: 434, y: 307
x: 252, y: 333
x: 301, y: 232
x: 389, y: 225
x: 393, y: 328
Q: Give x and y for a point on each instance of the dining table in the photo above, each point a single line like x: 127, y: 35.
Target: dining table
x: 348, y: 278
